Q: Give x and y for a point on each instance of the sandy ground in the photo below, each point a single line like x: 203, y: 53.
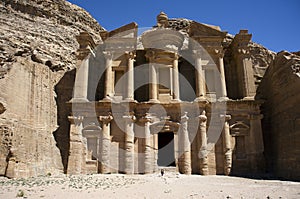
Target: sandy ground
x: 171, y: 185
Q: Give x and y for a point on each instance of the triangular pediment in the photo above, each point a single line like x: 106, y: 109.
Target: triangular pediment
x: 198, y: 29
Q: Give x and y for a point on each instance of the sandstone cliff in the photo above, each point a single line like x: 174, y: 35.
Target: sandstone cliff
x: 37, y: 55
x: 280, y: 89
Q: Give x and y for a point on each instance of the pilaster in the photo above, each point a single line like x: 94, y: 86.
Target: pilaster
x: 243, y: 60
x: 256, y: 143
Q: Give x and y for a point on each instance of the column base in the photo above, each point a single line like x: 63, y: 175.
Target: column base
x: 106, y: 99
x: 129, y: 100
x: 222, y: 99
x: 154, y: 101
x: 79, y: 100
x: 249, y: 98
x: 175, y: 100
x: 200, y: 99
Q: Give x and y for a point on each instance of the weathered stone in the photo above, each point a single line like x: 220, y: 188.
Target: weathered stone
x: 37, y: 40
x: 281, y: 124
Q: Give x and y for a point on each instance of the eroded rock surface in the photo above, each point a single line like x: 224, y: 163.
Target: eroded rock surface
x: 37, y: 58
x: 280, y: 88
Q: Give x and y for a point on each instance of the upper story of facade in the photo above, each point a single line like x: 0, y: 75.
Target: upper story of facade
x: 176, y: 60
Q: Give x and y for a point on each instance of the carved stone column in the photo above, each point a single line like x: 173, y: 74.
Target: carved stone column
x: 129, y: 143
x: 227, y: 145
x: 108, y: 89
x: 130, y: 76
x: 203, y: 146
x: 81, y: 81
x: 86, y: 49
x: 220, y: 54
x: 176, y: 94
x: 105, y: 144
x: 184, y: 146
x: 77, y: 151
x: 200, y: 77
x: 153, y: 90
x: 148, y: 151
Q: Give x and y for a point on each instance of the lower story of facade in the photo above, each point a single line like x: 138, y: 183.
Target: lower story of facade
x: 204, y: 138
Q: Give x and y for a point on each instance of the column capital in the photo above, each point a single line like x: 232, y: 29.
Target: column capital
x: 129, y: 117
x: 185, y: 117
x: 242, y: 51
x: 86, y: 45
x: 105, y: 119
x: 108, y: 55
x: 202, y: 117
x: 241, y: 43
x: 130, y: 54
x: 219, y: 52
x: 75, y: 119
x: 197, y: 53
x: 150, y: 54
x: 226, y: 117
x: 175, y: 56
x: 146, y: 118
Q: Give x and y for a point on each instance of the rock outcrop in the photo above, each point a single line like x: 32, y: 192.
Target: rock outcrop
x: 37, y: 62
x: 280, y: 89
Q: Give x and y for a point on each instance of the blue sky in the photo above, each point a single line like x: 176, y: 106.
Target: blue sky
x: 275, y: 24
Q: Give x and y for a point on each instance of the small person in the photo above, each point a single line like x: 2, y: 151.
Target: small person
x: 162, y: 172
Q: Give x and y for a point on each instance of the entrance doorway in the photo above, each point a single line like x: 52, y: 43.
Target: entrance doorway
x: 166, y: 155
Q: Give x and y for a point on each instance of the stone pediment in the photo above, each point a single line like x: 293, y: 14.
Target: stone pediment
x: 239, y: 129
x: 198, y: 29
x: 121, y: 39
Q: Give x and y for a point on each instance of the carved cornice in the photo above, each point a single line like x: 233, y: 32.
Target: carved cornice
x: 157, y: 55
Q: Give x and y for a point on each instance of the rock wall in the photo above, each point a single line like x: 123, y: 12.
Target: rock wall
x: 280, y: 88
x: 37, y: 69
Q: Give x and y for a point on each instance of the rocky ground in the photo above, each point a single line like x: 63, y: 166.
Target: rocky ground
x: 171, y: 185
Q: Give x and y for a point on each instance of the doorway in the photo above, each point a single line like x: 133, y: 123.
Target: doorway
x: 166, y: 155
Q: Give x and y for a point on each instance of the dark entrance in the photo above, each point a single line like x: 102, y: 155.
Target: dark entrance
x: 166, y: 149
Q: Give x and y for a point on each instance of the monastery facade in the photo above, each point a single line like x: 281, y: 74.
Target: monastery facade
x: 171, y: 96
